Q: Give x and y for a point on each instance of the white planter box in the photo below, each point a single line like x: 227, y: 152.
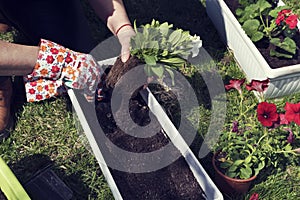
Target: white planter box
x: 283, y: 81
x: 87, y: 120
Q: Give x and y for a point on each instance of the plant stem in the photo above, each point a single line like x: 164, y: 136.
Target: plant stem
x: 288, y: 151
x: 262, y: 137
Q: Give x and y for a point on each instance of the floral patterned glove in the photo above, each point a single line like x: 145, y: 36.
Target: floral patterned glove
x: 57, y: 67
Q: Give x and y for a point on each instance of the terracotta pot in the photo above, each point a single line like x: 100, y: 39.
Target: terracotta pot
x: 230, y: 185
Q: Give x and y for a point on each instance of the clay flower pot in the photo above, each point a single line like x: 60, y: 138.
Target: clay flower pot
x: 230, y: 185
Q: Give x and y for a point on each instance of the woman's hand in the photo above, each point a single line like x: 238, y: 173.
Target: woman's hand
x: 124, y: 34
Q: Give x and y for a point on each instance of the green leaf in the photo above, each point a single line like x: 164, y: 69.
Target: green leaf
x: 158, y: 70
x: 175, y: 37
x: 257, y: 36
x: 10, y: 185
x: 246, y: 172
x: 248, y: 159
x: 278, y: 54
x: 263, y: 5
x: 238, y: 162
x: 176, y: 60
x: 232, y: 168
x: 153, y: 45
x: 150, y: 60
x: 287, y: 44
x: 164, y: 28
x: 171, y: 73
x: 225, y: 165
x: 231, y: 174
x: 239, y: 11
x: 165, y: 53
x: 147, y: 70
x: 288, y: 147
x: 261, y: 165
x: 251, y: 28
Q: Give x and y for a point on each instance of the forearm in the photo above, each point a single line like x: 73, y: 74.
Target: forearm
x: 111, y: 12
x: 17, y: 59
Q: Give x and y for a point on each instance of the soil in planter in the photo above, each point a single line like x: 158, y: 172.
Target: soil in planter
x: 175, y: 181
x: 264, y: 46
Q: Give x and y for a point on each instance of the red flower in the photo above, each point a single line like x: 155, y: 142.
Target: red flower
x: 292, y: 21
x: 235, y: 84
x: 31, y: 91
x: 49, y: 59
x: 39, y: 97
x: 292, y: 112
x: 55, y: 69
x: 54, y: 50
x: 254, y: 196
x: 284, y: 12
x: 259, y: 86
x: 279, y: 19
x: 68, y: 59
x: 267, y: 113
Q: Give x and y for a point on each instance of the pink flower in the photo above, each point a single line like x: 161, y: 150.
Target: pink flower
x: 254, y: 196
x: 259, y: 86
x: 292, y: 113
x: 235, y: 127
x: 235, y: 84
x: 283, y: 120
x: 290, y: 138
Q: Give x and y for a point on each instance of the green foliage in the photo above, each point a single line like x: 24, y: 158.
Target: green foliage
x: 163, y: 49
x: 258, y: 21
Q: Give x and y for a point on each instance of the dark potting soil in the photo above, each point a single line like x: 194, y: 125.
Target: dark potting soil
x: 2, y: 196
x: 264, y: 46
x: 175, y: 181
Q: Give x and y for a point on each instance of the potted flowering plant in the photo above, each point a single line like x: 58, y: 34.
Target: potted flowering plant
x: 278, y: 26
x: 264, y: 39
x: 258, y: 134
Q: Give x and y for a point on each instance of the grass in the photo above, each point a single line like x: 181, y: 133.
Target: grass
x: 283, y: 185
x: 46, y: 133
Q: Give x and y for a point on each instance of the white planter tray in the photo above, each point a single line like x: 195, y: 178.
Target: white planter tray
x: 283, y: 81
x: 87, y: 120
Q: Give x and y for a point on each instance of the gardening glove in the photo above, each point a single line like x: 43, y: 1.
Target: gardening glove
x: 58, y: 67
x: 124, y: 34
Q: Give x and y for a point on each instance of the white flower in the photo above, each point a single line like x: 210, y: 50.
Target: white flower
x: 197, y: 44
